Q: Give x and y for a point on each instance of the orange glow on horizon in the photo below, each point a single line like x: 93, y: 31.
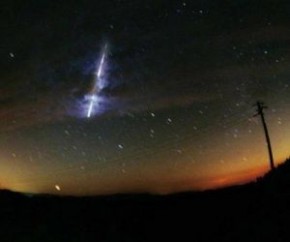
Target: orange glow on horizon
x: 238, y: 177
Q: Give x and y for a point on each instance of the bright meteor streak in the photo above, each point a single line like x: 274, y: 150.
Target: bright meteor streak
x: 99, y: 83
x: 91, y: 106
x: 100, y: 70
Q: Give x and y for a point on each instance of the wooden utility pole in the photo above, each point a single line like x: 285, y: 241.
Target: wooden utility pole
x: 260, y: 109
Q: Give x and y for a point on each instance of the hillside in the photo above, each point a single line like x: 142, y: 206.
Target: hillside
x: 253, y: 212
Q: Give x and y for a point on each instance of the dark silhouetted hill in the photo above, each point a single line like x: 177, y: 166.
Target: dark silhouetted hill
x: 277, y: 180
x: 258, y: 211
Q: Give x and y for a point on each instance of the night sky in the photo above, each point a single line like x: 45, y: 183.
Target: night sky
x: 176, y: 111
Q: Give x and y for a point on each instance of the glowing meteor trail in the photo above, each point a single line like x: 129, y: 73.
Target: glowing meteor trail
x: 99, y: 83
x: 101, y: 65
x: 91, y: 106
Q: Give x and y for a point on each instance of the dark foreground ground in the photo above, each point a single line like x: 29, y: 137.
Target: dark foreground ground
x: 255, y: 212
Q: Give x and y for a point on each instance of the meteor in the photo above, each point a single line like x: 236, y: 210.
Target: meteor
x: 99, y: 83
x: 91, y: 106
x: 100, y: 70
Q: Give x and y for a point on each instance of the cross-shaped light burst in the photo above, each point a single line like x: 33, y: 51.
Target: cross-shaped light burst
x: 99, y: 84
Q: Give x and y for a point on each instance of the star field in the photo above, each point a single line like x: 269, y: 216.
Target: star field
x: 177, y: 109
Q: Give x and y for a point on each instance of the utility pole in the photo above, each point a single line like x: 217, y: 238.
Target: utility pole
x: 260, y: 109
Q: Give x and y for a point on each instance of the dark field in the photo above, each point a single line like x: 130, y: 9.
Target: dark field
x: 253, y: 212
